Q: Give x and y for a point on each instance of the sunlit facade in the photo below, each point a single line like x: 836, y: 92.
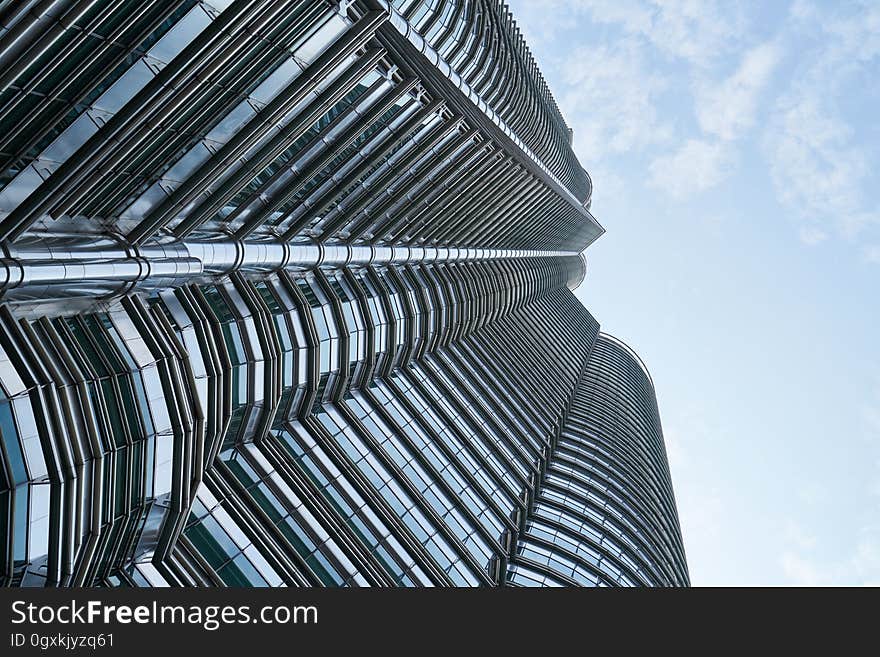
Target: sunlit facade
x: 286, y: 300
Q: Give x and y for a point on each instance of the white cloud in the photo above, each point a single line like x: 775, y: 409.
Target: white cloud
x: 725, y: 111
x: 614, y: 86
x: 854, y: 34
x: 607, y: 184
x: 728, y: 108
x: 861, y: 567
x: 805, y: 564
x: 812, y: 235
x: 817, y: 166
x: 797, y: 535
x: 624, y: 72
x: 801, y: 571
x: 609, y: 96
x: 822, y: 164
x: 693, y: 168
x: 813, y: 493
x: 698, y: 31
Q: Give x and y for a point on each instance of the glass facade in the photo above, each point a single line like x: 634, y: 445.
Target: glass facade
x: 285, y: 300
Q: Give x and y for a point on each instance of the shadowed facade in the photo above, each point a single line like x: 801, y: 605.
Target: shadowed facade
x: 286, y: 300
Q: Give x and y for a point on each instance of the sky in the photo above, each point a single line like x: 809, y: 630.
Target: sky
x: 734, y: 149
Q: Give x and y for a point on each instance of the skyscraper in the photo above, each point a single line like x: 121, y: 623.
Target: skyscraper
x: 286, y: 300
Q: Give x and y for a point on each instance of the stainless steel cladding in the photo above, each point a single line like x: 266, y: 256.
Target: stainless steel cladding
x: 286, y: 299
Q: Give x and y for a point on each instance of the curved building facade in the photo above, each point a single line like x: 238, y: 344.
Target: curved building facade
x: 286, y: 300
x: 605, y: 513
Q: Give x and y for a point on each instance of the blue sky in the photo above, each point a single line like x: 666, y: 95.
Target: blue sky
x: 734, y: 152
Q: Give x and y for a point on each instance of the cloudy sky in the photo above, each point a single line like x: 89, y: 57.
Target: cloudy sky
x: 735, y: 149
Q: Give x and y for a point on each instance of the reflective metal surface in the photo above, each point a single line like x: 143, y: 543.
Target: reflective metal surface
x: 286, y: 300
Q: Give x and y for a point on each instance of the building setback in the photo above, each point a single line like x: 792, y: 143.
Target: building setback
x: 286, y: 299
